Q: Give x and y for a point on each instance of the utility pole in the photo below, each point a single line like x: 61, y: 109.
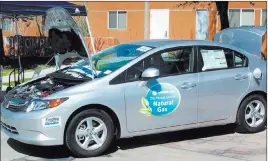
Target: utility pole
x: 146, y: 18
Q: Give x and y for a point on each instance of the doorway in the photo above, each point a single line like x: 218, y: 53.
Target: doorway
x: 159, y: 23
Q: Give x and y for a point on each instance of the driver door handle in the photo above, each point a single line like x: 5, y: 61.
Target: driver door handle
x: 188, y: 85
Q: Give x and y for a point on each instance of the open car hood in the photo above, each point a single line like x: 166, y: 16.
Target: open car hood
x: 64, y: 35
x: 66, y: 40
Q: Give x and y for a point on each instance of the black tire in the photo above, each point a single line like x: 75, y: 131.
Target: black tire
x: 242, y: 126
x: 70, y: 140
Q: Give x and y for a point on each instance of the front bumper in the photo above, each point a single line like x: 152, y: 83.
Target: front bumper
x: 28, y: 127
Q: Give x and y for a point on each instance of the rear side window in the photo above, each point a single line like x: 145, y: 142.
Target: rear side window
x: 217, y: 58
x: 240, y: 60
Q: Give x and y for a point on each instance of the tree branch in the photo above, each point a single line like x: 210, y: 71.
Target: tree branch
x: 38, y: 26
x: 222, y: 8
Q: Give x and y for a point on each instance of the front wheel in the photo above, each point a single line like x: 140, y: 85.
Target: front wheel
x: 252, y: 114
x: 90, y: 133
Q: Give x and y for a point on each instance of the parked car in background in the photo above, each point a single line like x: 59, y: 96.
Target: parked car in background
x: 136, y: 89
x: 249, y: 38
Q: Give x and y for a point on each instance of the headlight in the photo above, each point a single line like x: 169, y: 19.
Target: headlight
x: 36, y: 105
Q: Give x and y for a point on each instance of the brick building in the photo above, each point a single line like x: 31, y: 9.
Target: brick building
x: 132, y: 21
x: 127, y: 20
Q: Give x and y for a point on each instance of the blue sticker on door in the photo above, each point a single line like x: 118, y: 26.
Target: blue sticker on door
x: 161, y: 99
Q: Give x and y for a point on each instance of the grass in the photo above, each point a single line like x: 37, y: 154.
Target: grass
x: 7, y: 71
x: 12, y: 83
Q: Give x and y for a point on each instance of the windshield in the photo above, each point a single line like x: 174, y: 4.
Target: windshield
x: 111, y: 59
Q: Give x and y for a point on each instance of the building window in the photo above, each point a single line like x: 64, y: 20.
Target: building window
x: 241, y: 17
x: 248, y: 17
x: 264, y: 17
x: 117, y: 20
x: 6, y: 25
x: 234, y: 17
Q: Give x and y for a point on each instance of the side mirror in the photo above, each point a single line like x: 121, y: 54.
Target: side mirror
x: 257, y: 73
x: 150, y: 73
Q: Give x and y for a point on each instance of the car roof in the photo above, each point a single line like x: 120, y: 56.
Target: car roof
x: 158, y: 43
x: 166, y: 42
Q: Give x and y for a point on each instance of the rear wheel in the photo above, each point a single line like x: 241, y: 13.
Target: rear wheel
x: 252, y: 114
x: 90, y: 133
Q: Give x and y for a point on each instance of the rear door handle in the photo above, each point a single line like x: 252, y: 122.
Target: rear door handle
x: 240, y: 77
x: 188, y: 85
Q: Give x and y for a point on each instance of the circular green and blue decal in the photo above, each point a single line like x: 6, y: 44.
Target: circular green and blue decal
x: 161, y: 99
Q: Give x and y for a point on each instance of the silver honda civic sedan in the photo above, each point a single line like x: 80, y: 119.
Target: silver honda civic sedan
x: 135, y: 89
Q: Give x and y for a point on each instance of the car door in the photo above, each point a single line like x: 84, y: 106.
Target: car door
x: 170, y: 100
x: 223, y: 78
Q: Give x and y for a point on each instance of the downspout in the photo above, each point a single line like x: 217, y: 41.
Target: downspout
x: 146, y: 17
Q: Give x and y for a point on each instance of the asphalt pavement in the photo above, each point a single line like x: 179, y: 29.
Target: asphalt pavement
x: 209, y: 144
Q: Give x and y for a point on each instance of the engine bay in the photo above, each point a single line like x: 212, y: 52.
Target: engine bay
x: 61, y: 42
x: 50, y: 84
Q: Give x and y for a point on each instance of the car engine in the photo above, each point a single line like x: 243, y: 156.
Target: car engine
x: 49, y: 84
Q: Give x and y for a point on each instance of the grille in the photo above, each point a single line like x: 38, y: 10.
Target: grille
x: 9, y: 128
x: 13, y: 107
x: 16, y: 107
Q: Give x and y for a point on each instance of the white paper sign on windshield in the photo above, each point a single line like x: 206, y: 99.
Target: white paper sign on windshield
x: 213, y: 59
x: 144, y: 48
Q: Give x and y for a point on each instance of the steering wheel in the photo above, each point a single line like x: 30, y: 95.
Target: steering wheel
x: 138, y: 71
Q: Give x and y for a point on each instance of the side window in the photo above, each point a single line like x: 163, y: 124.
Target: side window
x: 172, y: 61
x: 240, y: 60
x: 216, y: 58
x: 133, y: 73
x: 119, y: 79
